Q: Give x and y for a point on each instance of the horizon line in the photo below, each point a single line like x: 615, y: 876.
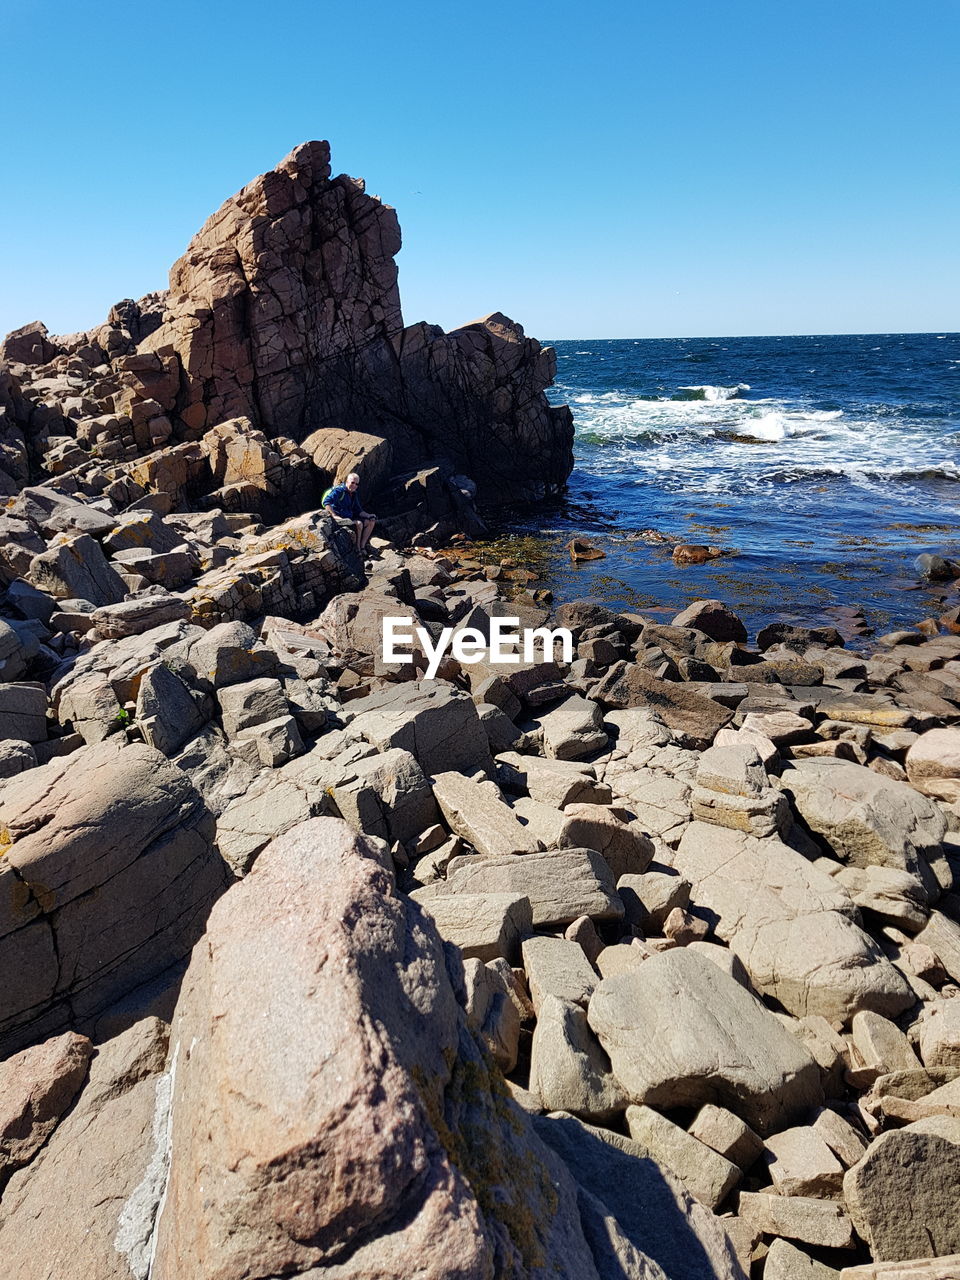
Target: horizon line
x: 704, y: 337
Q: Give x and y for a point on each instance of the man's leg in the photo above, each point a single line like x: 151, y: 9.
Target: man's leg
x: 358, y: 533
x: 367, y: 531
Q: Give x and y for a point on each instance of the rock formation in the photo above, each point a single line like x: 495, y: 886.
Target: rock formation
x: 285, y: 310
x: 638, y: 965
x: 282, y: 328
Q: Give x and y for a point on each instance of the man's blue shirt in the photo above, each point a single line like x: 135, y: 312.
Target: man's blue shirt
x: 344, y: 503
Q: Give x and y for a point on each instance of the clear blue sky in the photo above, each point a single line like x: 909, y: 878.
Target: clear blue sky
x: 606, y: 169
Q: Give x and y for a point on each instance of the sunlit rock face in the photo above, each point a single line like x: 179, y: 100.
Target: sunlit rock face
x: 285, y: 310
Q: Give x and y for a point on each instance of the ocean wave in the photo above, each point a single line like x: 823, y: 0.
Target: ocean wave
x: 769, y: 426
x: 775, y: 425
x: 707, y: 392
x: 937, y: 471
x: 862, y: 473
x: 726, y: 445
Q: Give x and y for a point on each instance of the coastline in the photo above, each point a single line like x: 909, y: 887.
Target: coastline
x: 643, y: 964
x: 638, y: 574
x: 823, y: 466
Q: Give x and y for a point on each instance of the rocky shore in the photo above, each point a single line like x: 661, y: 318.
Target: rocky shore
x: 644, y: 964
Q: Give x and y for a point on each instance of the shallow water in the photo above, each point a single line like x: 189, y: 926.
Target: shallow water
x: 822, y: 465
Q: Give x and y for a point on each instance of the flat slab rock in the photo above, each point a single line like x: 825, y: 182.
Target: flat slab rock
x: 475, y: 809
x: 704, y: 1172
x: 790, y: 924
x: 679, y: 1032
x: 805, y: 1218
x: 437, y: 724
x: 947, y: 1268
x: 696, y: 718
x: 572, y: 730
x: 649, y: 1202
x: 561, y: 884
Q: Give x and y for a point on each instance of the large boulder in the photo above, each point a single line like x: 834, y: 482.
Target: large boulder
x: 867, y: 819
x: 696, y: 719
x: 679, y: 1032
x: 108, y: 872
x: 903, y: 1194
x: 53, y: 512
x: 437, y: 724
x: 336, y: 453
x: 360, y: 1130
x: 75, y: 568
x: 793, y: 927
x: 13, y: 655
x: 29, y: 344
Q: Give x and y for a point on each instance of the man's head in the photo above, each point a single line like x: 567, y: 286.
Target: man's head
x: 353, y: 482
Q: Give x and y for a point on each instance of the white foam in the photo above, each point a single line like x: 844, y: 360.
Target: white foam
x: 717, y: 393
x: 770, y: 426
x: 731, y: 446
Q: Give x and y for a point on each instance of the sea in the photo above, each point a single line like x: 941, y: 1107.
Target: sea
x: 821, y: 466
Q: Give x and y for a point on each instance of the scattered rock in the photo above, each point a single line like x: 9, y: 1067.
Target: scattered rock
x: 933, y: 763
x: 568, y: 1069
x: 650, y: 1204
x: 484, y: 926
x: 679, y: 1032
x: 804, y: 1218
x: 728, y: 1135
x: 37, y: 1086
x: 693, y: 553
x: 695, y: 718
x: 573, y: 730
x: 867, y: 819
x: 580, y: 549
x: 902, y: 1194
x: 561, y: 885
x: 786, y: 1262
x: 801, y: 1163
x: 714, y: 619
x: 708, y: 1176
x: 557, y: 967
x: 790, y: 925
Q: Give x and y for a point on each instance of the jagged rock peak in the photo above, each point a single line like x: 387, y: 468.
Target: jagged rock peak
x: 285, y: 309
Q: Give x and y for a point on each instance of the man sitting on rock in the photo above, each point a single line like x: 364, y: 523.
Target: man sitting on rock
x: 342, y: 501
